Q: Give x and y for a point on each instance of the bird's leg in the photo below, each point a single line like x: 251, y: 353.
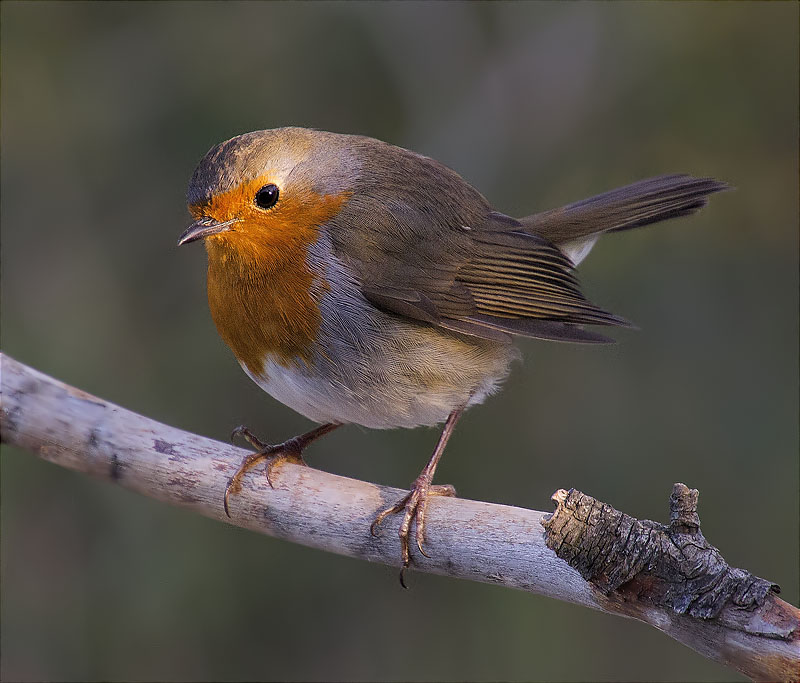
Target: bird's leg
x: 415, y: 503
x: 291, y: 450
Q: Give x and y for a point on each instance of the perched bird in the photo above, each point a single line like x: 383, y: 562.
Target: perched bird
x: 359, y: 282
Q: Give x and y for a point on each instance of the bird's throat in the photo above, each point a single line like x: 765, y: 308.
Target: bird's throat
x: 264, y: 309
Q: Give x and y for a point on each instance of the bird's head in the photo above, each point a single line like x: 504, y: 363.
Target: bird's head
x: 262, y: 193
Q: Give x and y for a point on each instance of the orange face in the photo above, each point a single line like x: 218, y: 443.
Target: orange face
x: 268, y: 236
x: 262, y: 294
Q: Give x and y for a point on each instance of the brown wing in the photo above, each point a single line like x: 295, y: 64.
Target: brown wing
x: 497, y: 282
x: 514, y: 274
x: 485, y: 282
x: 425, y: 245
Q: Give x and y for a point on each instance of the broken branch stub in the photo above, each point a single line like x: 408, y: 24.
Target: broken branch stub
x: 670, y: 566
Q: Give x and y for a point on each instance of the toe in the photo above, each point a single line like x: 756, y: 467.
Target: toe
x: 420, y: 531
x: 393, y: 510
x: 247, y: 435
x: 442, y: 490
x: 279, y: 456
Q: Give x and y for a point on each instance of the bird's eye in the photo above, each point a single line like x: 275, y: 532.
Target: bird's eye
x: 267, y: 196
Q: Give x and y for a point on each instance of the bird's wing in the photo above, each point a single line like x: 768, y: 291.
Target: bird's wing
x: 523, y: 284
x: 436, y: 253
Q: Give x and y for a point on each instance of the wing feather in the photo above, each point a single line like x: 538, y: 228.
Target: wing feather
x: 501, y: 282
x: 425, y: 245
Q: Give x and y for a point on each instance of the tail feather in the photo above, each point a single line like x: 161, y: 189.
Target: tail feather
x: 633, y: 206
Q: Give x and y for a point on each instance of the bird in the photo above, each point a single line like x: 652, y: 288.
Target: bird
x: 358, y: 282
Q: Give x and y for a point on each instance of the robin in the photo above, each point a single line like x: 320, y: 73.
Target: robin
x: 362, y: 283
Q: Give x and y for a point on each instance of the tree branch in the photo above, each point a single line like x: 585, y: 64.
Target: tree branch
x: 586, y: 553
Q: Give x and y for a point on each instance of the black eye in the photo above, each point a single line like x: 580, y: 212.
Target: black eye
x: 267, y: 196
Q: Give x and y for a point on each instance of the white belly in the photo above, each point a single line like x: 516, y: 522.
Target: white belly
x: 308, y: 395
x: 415, y: 387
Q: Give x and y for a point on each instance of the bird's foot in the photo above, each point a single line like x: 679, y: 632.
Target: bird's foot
x: 288, y: 451
x: 413, y: 506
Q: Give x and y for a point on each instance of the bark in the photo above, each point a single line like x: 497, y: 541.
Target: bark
x: 585, y: 553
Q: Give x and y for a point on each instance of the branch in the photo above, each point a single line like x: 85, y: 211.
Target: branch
x: 586, y: 553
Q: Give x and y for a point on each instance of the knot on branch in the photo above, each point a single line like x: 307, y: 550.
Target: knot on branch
x: 670, y: 566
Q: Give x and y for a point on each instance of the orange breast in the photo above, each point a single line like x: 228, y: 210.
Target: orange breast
x: 262, y: 294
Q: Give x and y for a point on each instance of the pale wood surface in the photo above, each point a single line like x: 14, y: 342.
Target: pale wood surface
x: 465, y: 538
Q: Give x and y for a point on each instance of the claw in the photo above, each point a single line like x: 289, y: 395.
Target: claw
x: 225, y: 499
x: 402, y: 577
x: 414, y: 505
x: 420, y: 513
x: 415, y: 502
x: 235, y: 482
x: 289, y: 450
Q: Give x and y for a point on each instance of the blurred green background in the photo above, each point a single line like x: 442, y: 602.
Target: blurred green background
x: 106, y: 109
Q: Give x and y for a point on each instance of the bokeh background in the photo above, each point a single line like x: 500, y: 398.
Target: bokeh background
x: 106, y: 108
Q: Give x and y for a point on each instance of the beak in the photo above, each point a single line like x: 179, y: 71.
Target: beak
x: 204, y: 227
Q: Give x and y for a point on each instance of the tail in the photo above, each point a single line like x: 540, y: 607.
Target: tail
x: 576, y: 227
